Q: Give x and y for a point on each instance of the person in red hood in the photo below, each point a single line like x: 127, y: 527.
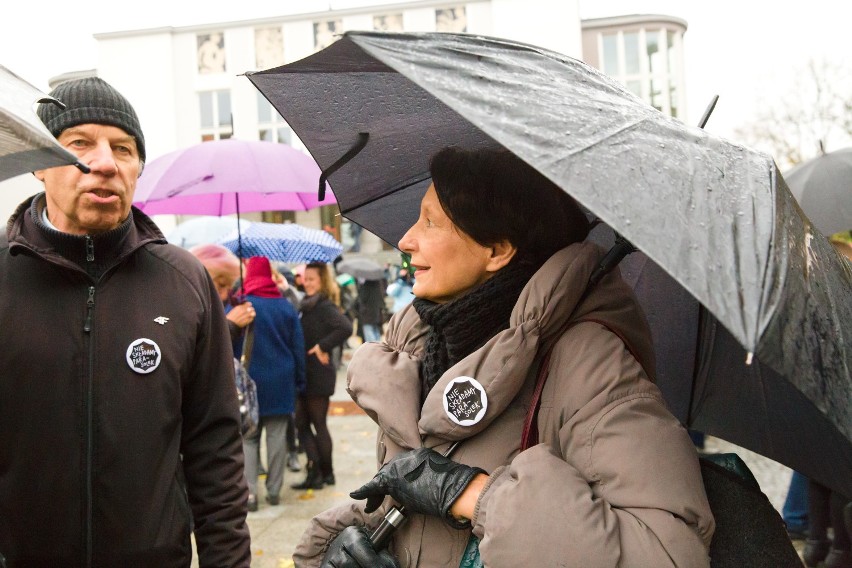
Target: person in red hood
x: 277, y: 364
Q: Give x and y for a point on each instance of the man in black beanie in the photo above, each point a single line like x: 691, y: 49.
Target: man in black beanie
x: 119, y: 425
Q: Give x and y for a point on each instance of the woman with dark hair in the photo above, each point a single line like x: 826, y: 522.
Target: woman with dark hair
x: 519, y: 424
x: 324, y: 327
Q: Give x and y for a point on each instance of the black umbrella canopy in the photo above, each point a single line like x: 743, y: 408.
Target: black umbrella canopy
x: 716, y: 217
x: 823, y: 187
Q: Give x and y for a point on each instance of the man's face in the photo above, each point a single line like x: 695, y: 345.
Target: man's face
x: 83, y: 204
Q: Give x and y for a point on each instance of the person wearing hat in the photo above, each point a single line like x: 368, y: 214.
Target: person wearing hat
x: 119, y: 424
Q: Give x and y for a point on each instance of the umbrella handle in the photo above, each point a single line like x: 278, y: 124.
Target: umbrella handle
x: 395, y: 517
x: 619, y: 250
x: 350, y: 153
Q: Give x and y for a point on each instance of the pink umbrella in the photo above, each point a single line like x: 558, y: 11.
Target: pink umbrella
x: 229, y: 176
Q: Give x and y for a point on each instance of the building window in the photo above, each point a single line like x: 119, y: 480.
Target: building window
x: 215, y: 114
x: 388, y: 23
x: 326, y: 32
x: 451, y: 20
x: 210, y: 53
x: 268, y: 47
x: 272, y: 128
x: 645, y: 62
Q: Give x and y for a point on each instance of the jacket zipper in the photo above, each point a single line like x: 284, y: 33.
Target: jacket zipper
x: 90, y: 308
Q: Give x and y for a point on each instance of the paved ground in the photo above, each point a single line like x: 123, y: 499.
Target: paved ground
x: 275, y: 530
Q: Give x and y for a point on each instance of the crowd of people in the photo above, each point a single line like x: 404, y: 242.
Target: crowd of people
x: 514, y: 402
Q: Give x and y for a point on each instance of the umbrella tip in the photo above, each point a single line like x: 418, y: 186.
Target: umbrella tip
x: 83, y: 167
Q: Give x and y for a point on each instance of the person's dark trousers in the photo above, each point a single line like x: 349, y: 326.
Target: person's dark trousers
x: 292, y: 446
x: 795, y: 509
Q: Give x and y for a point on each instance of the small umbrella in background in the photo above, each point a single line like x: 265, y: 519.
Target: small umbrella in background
x: 823, y: 188
x: 203, y: 230
x: 26, y: 144
x: 222, y: 177
x: 287, y: 242
x: 361, y: 268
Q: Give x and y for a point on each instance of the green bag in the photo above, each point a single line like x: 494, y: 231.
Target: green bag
x: 470, y: 558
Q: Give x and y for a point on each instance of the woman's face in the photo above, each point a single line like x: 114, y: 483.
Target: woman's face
x: 447, y: 263
x: 311, y: 281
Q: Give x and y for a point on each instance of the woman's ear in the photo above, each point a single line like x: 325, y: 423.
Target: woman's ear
x: 502, y: 253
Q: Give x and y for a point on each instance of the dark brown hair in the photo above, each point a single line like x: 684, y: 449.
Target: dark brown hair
x: 492, y: 195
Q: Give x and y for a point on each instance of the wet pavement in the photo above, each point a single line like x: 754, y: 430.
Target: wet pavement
x: 276, y: 530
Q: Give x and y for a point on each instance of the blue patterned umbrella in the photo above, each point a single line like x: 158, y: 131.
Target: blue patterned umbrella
x: 286, y: 242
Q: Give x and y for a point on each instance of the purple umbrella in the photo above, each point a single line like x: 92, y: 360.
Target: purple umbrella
x: 229, y: 176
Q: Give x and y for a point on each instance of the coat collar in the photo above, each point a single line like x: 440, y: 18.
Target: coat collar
x: 383, y: 377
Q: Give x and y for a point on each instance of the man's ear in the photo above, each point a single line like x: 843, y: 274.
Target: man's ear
x: 39, y: 174
x: 502, y: 253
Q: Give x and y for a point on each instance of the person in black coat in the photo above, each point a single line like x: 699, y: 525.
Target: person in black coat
x: 324, y: 327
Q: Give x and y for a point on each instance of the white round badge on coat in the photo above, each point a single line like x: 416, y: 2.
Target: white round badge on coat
x: 465, y: 401
x: 143, y: 355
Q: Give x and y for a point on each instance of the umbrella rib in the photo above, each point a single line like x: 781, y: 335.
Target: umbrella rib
x: 386, y: 194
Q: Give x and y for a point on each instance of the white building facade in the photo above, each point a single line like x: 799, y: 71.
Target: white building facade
x: 187, y: 83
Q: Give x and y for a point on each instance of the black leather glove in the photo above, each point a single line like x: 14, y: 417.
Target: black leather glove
x: 422, y: 480
x: 352, y: 549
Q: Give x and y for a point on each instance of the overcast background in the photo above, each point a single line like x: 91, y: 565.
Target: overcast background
x: 749, y: 53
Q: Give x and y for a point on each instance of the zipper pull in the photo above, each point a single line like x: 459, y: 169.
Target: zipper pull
x: 90, y: 307
x: 90, y: 249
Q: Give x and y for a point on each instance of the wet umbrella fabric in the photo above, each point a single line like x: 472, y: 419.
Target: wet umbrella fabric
x: 714, y: 217
x: 222, y: 177
x: 26, y: 144
x: 285, y: 242
x: 823, y: 187
x: 362, y: 268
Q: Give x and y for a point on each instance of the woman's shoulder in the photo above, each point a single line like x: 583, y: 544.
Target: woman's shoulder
x: 591, y: 364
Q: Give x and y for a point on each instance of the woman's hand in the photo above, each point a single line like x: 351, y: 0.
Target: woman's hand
x: 425, y: 482
x: 241, y: 315
x: 352, y: 549
x: 317, y: 351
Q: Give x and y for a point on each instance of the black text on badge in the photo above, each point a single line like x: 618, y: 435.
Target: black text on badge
x: 465, y: 401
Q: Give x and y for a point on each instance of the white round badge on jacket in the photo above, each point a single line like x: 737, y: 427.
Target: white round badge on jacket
x: 144, y: 356
x: 465, y: 401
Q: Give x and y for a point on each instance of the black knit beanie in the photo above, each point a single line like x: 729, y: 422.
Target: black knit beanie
x: 91, y: 101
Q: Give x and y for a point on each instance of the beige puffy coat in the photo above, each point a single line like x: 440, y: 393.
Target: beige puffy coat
x: 615, y: 480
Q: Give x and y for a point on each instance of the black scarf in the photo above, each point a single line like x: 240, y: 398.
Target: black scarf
x: 460, y: 327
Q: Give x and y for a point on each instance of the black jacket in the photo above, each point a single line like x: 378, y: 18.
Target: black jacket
x: 323, y: 324
x: 118, y: 414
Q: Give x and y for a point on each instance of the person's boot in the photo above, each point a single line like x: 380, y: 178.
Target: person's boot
x: 815, y: 551
x: 328, y: 479
x: 313, y: 480
x: 838, y: 558
x: 293, y: 461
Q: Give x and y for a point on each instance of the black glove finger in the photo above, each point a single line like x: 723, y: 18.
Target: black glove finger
x: 373, y: 503
x: 369, y: 489
x: 350, y: 549
x: 387, y: 560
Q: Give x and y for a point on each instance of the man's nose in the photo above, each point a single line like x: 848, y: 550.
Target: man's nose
x: 101, y: 159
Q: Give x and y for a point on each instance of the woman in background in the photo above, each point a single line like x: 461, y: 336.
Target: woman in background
x: 276, y: 362
x: 324, y: 327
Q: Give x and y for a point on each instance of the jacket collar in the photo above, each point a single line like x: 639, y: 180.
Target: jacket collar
x: 26, y: 232
x: 549, y: 302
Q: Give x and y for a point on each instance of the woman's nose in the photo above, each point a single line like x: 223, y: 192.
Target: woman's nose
x: 406, y: 243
